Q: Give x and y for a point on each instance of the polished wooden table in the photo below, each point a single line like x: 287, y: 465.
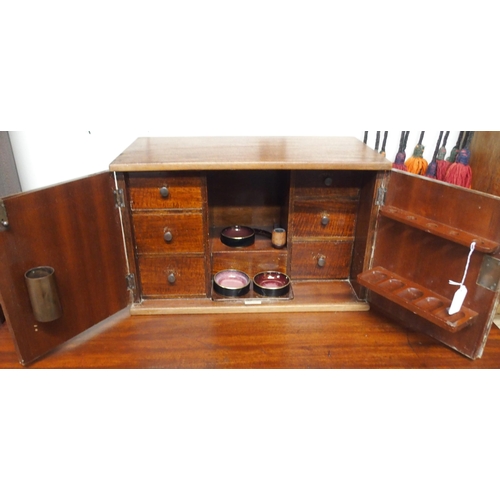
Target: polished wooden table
x: 313, y: 340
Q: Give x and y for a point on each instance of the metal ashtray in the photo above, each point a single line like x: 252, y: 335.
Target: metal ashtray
x: 271, y: 283
x: 231, y: 283
x: 237, y: 236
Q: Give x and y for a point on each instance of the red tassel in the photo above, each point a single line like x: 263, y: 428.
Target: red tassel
x: 460, y: 175
x: 399, y: 166
x: 442, y: 167
x: 459, y: 172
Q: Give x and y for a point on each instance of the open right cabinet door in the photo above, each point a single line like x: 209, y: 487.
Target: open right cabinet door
x: 427, y: 234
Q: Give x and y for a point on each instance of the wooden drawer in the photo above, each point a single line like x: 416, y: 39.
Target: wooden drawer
x: 184, y: 230
x: 306, y: 257
x: 324, y: 183
x: 146, y: 190
x: 186, y: 271
x: 324, y: 218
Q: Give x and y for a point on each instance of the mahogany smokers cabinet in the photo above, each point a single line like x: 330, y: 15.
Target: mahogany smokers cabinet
x: 146, y: 235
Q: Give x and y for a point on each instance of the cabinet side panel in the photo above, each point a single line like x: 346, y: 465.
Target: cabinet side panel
x: 365, y: 227
x: 485, y: 162
x: 75, y: 229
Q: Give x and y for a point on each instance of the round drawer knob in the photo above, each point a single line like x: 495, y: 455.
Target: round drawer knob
x: 321, y: 261
x: 325, y: 220
x: 171, y: 278
x: 164, y: 192
x: 168, y: 237
x: 328, y: 181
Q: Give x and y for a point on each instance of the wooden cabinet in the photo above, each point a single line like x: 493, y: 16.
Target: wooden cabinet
x: 146, y: 235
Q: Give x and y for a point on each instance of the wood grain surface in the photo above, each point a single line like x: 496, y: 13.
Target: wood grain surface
x: 250, y: 262
x: 336, y: 254
x: 188, y: 269
x: 186, y: 229
x: 185, y: 190
x: 308, y: 297
x: 75, y: 228
x: 465, y: 209
x: 327, y: 184
x: 339, y: 214
x: 484, y: 161
x: 257, y: 153
x: 315, y: 340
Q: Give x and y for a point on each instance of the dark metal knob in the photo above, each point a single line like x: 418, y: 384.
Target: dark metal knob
x: 171, y: 278
x: 164, y: 192
x: 328, y: 181
x: 168, y: 236
x: 325, y: 220
x: 321, y: 261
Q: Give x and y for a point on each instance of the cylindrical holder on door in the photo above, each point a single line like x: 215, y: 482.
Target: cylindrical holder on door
x: 43, y: 293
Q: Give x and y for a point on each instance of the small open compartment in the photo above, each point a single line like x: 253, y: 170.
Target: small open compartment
x: 248, y: 198
x: 257, y: 200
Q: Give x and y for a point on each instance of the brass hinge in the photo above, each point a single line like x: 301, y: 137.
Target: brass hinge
x: 489, y: 274
x: 4, y: 220
x: 119, y: 198
x: 380, y: 200
x: 130, y: 281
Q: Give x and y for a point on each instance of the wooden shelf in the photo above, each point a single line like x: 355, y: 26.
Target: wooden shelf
x: 439, y: 229
x: 261, y: 242
x: 308, y: 296
x: 416, y: 298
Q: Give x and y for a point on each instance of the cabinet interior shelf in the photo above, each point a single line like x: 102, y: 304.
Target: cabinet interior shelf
x: 416, y: 298
x: 260, y: 243
x: 439, y: 229
x: 308, y: 296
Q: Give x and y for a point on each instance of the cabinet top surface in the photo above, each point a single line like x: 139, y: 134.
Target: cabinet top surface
x: 248, y: 153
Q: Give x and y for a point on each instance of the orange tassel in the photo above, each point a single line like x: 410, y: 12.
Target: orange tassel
x: 417, y: 164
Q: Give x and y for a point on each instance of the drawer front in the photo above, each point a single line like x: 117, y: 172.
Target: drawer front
x: 167, y: 232
x: 250, y: 263
x: 324, y: 183
x: 324, y: 219
x: 307, y: 258
x: 172, y: 276
x: 166, y: 190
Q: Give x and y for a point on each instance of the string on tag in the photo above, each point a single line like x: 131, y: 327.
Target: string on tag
x: 460, y: 294
x: 472, y: 246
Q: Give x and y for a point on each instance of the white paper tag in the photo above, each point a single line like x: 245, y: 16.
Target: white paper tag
x: 458, y: 300
x: 252, y: 302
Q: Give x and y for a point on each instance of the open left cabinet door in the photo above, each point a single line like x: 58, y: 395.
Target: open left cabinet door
x: 429, y: 233
x: 75, y: 229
